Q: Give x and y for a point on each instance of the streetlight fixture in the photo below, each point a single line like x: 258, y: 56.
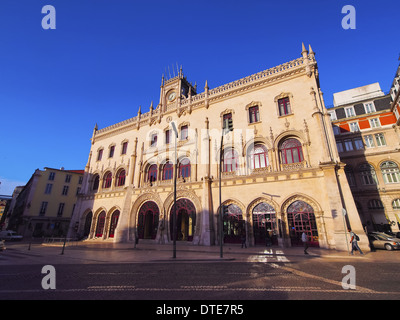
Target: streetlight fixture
x: 175, y: 172
x: 227, y: 127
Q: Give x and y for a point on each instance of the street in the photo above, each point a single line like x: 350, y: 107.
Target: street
x: 97, y: 273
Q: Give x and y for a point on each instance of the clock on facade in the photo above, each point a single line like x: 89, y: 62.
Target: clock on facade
x: 171, y: 96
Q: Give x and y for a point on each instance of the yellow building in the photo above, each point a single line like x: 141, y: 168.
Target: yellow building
x: 280, y: 171
x: 45, y: 205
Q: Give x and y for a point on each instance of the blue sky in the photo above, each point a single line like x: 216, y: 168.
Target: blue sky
x: 106, y: 58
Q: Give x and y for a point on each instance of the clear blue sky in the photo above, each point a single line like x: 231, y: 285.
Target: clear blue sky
x: 106, y: 57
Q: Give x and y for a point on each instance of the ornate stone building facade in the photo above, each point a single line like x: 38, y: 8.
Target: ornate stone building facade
x: 280, y: 170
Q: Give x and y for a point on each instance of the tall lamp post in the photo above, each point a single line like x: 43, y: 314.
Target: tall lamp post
x: 227, y: 126
x: 175, y: 172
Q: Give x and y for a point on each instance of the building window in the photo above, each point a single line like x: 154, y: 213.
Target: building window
x: 96, y: 182
x: 358, y: 144
x: 336, y: 130
x: 152, y: 174
x: 230, y: 161
x: 167, y: 136
x: 65, y: 190
x: 49, y: 186
x: 60, y: 209
x: 354, y: 127
x: 339, y: 146
x: 284, y: 106
x: 52, y: 176
x: 348, y: 144
x: 43, y: 208
x: 374, y: 123
x: 99, y: 154
x: 124, y: 148
x: 369, y: 107
x: 368, y: 175
x: 349, y: 112
x: 375, y: 204
x: 184, y: 132
x: 332, y: 115
x: 68, y: 178
x: 390, y: 172
x: 369, y: 141
x: 111, y: 154
x: 226, y: 117
x: 153, y: 142
x: 254, y: 115
x: 121, y: 178
x: 291, y: 151
x: 396, y: 204
x: 350, y: 176
x: 107, y: 180
x: 168, y: 171
x: 184, y: 168
x: 380, y: 140
x: 258, y: 157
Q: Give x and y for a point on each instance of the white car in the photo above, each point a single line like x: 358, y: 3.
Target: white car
x: 9, y: 235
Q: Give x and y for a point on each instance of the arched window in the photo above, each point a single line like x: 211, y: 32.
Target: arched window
x: 230, y: 161
x: 301, y: 219
x: 107, y: 180
x: 113, y: 223
x: 168, y: 171
x: 368, y: 175
x: 121, y: 178
x: 258, y: 157
x: 100, y: 224
x: 152, y: 173
x: 184, y: 168
x: 148, y: 220
x: 396, y: 204
x: 265, y: 224
x: 234, y: 225
x: 390, y: 172
x: 96, y: 182
x: 291, y: 151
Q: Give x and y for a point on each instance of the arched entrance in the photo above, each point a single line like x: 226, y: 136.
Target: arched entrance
x: 88, y: 224
x: 113, y: 223
x: 234, y: 225
x: 265, y: 224
x: 301, y: 218
x: 100, y: 224
x: 185, y: 220
x: 148, y: 220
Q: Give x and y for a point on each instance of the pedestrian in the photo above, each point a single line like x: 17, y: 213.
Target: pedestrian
x: 243, y: 238
x: 304, y: 238
x: 354, y: 242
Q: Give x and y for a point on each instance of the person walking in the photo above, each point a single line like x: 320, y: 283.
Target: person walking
x: 243, y: 238
x: 304, y: 239
x: 354, y: 242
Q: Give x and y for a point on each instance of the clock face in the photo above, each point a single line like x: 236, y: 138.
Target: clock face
x: 171, y: 96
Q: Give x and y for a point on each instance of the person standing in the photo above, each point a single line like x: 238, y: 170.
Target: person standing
x: 304, y: 239
x: 354, y: 242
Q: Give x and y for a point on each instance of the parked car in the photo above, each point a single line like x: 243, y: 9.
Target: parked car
x: 2, y: 245
x: 9, y: 235
x: 379, y: 240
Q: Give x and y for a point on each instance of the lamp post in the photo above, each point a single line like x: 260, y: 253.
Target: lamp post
x: 227, y: 126
x: 174, y: 213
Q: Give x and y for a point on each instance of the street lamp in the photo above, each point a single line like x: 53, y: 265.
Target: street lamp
x: 227, y: 126
x: 174, y: 213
